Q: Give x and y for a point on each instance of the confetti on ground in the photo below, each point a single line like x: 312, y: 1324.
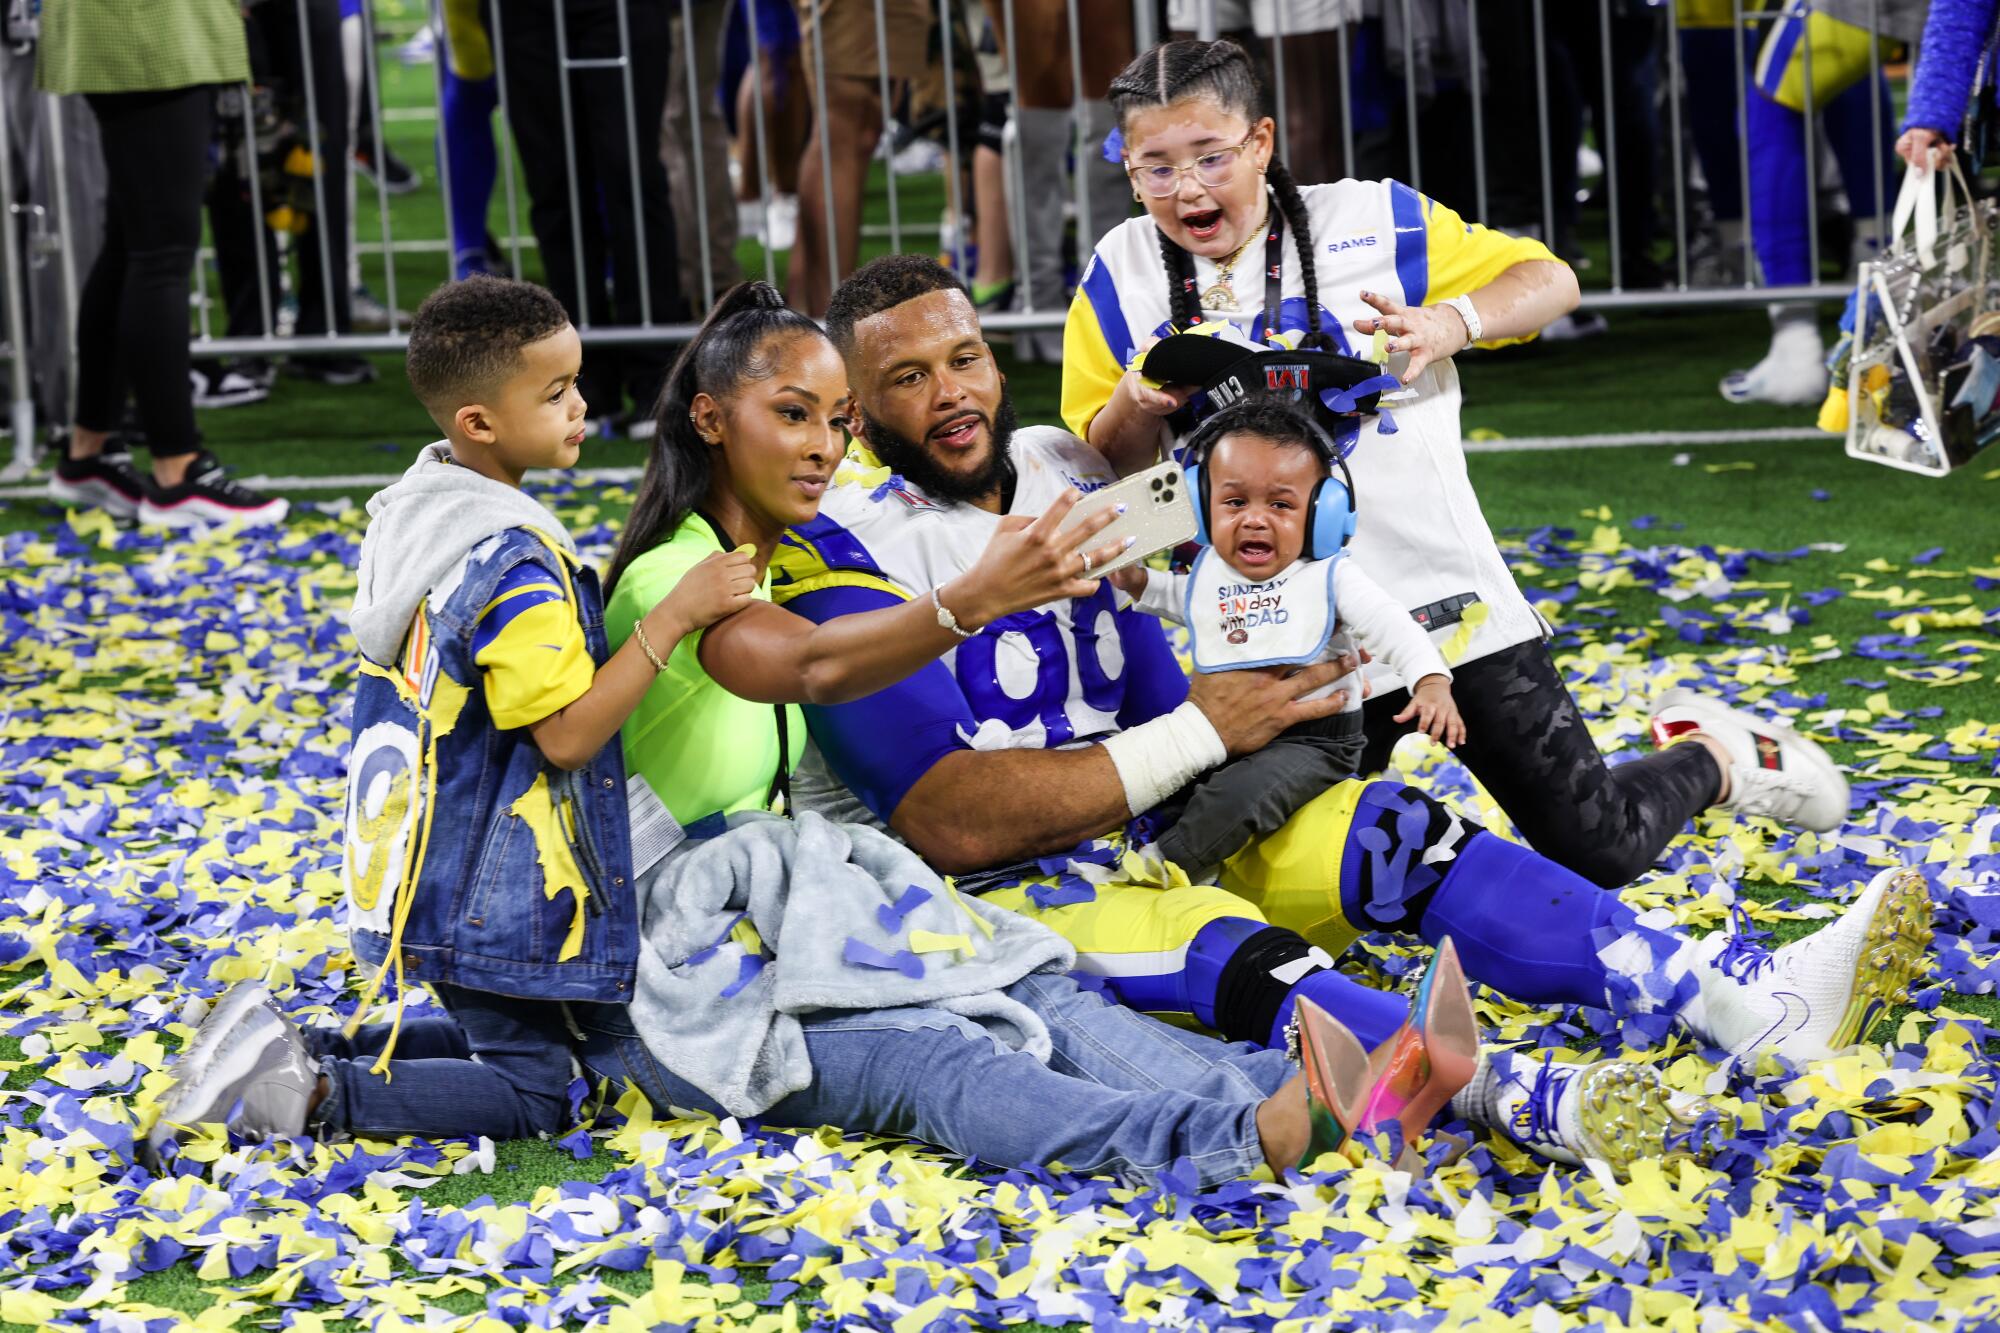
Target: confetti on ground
x: 171, y: 756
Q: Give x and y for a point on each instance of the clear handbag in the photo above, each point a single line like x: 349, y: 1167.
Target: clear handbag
x: 1923, y: 362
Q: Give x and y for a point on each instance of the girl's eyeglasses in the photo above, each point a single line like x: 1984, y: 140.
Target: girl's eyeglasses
x: 1211, y: 169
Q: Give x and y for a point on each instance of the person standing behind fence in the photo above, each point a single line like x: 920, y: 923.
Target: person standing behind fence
x: 760, y: 63
x: 149, y: 69
x: 696, y: 110
x: 846, y: 44
x: 1230, y: 236
x: 597, y: 190
x: 1813, y: 57
x: 1044, y: 99
x: 468, y: 95
x: 1957, y: 34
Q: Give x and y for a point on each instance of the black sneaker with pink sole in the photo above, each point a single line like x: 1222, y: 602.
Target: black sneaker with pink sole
x: 209, y: 496
x: 107, y: 481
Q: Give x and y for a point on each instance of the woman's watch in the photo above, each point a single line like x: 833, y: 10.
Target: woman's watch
x: 1470, y: 314
x: 947, y: 619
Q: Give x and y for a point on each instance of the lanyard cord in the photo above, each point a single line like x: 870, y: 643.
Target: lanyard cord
x: 781, y: 775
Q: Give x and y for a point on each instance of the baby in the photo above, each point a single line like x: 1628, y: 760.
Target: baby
x: 1274, y: 586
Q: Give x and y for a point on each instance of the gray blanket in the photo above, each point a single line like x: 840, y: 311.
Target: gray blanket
x: 839, y: 917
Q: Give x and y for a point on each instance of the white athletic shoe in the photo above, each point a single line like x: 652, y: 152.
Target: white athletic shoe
x: 1820, y: 994
x: 782, y: 222
x: 249, y: 1068
x: 1792, y: 373
x: 1611, y: 1110
x: 1773, y: 770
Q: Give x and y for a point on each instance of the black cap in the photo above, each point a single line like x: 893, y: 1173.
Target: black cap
x: 1228, y: 372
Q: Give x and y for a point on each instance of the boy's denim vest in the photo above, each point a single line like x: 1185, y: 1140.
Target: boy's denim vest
x: 471, y: 860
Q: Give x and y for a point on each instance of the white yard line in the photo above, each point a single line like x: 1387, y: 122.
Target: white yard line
x: 355, y: 481
x: 1519, y: 444
x: 1635, y: 439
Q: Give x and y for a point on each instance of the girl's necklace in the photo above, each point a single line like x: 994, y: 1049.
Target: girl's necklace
x: 1220, y: 296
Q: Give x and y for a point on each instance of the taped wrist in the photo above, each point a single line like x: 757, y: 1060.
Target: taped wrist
x: 1156, y: 759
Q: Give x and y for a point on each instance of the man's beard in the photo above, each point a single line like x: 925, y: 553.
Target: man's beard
x: 910, y: 460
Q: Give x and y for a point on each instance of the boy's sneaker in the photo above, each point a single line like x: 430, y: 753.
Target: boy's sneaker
x: 209, y: 496
x: 1816, y: 995
x: 249, y: 1068
x: 1773, y: 770
x: 336, y: 370
x: 216, y: 384
x: 107, y: 481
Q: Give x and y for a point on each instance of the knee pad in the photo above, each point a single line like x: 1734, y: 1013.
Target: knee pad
x: 1399, y: 849
x: 1241, y: 976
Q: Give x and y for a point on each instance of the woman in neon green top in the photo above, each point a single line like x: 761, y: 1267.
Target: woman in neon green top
x: 753, y: 424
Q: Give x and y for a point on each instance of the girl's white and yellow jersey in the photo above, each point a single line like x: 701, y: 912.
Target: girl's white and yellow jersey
x: 1421, y: 533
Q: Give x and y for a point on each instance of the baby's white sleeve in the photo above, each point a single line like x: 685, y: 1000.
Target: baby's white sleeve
x: 1383, y: 626
x: 1165, y: 595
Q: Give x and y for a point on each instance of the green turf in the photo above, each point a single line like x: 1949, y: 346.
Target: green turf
x: 1654, y: 371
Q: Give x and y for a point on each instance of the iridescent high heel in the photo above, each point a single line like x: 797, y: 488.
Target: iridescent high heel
x: 1338, y: 1078
x: 1433, y: 1055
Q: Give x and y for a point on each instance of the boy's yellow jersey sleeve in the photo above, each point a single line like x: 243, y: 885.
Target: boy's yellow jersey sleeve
x: 1460, y: 257
x: 1092, y: 367
x: 533, y: 657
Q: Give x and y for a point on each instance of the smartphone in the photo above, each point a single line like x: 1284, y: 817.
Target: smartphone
x: 1158, y: 511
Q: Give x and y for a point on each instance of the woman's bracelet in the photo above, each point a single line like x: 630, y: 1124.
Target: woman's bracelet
x: 646, y: 647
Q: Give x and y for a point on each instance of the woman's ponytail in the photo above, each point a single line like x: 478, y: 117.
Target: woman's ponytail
x: 728, y: 349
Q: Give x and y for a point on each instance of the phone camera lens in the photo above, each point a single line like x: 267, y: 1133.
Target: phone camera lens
x: 1157, y: 483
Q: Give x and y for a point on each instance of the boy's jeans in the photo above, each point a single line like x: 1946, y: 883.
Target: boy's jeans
x: 1122, y: 1094
x: 517, y: 1088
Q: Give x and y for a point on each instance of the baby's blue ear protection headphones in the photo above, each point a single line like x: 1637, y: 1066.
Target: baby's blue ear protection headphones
x: 1330, y: 514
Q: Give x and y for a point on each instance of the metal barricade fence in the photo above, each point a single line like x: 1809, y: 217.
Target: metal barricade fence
x: 1287, y: 36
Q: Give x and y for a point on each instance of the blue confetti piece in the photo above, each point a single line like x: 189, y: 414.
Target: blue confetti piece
x: 862, y: 954
x: 747, y: 969
x: 893, y: 916
x: 1068, y: 890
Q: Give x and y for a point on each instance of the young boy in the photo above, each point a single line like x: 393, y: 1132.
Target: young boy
x: 1275, y: 586
x: 488, y: 849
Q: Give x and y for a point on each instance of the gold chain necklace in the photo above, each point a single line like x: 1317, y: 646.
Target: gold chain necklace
x: 1220, y: 295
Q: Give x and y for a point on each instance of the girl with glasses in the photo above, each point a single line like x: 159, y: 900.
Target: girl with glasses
x: 1373, y: 268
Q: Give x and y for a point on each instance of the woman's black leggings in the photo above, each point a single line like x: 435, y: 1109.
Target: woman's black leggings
x: 132, y: 324
x: 1527, y: 744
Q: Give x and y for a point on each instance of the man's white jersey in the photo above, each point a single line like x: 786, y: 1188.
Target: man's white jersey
x: 1034, y: 679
